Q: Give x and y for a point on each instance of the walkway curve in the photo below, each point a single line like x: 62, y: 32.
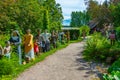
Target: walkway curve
x: 65, y: 64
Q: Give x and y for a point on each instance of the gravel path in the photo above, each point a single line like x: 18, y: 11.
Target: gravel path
x: 65, y: 64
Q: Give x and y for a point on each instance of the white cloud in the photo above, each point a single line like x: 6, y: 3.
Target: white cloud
x: 72, y: 5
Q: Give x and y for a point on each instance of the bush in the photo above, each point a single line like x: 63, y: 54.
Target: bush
x: 97, y: 48
x: 115, y: 66
x: 3, y: 38
x: 118, y: 33
x: 85, y: 29
x: 74, y: 34
x: 112, y: 76
x: 35, y: 13
x: 114, y: 71
x: 6, y: 67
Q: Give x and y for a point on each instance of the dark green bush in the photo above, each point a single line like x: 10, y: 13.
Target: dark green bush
x: 118, y: 33
x: 74, y: 34
x: 115, y: 66
x: 97, y: 48
x: 114, y: 71
x: 6, y: 67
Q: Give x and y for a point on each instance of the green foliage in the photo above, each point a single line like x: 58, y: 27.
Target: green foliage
x: 115, y: 9
x: 115, y: 66
x: 97, y: 48
x: 112, y: 76
x: 55, y: 13
x: 79, y: 19
x: 118, y: 33
x: 107, y: 12
x: 6, y: 77
x: 74, y: 34
x: 6, y: 67
x: 114, y: 71
x: 3, y: 38
x: 46, y: 20
x: 33, y: 14
x: 85, y: 29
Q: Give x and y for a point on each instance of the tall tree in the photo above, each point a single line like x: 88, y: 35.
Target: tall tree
x: 115, y: 2
x: 24, y: 14
x: 99, y: 11
x: 45, y: 20
x: 55, y: 13
x: 115, y: 9
x: 79, y: 18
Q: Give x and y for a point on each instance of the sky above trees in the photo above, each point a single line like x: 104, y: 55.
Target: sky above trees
x: 72, y: 5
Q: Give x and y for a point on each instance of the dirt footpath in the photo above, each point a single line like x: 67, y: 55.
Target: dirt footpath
x: 65, y: 64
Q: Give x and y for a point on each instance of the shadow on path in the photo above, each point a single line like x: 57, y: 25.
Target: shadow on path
x: 88, y: 67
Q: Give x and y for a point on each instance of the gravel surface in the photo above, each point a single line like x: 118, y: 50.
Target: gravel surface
x: 65, y: 64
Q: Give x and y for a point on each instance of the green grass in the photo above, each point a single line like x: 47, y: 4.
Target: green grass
x: 21, y: 68
x: 74, y: 41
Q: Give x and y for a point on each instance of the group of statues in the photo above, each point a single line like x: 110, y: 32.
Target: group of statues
x: 33, y: 45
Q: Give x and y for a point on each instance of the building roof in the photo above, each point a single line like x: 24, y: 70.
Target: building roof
x: 93, y: 24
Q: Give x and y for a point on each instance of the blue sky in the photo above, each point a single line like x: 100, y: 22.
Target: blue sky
x: 72, y: 5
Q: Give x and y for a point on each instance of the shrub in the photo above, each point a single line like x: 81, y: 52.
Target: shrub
x: 84, y: 28
x: 114, y: 71
x: 3, y: 38
x: 6, y: 67
x: 74, y: 34
x: 97, y: 48
x: 113, y: 76
x: 115, y: 66
x: 118, y: 33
